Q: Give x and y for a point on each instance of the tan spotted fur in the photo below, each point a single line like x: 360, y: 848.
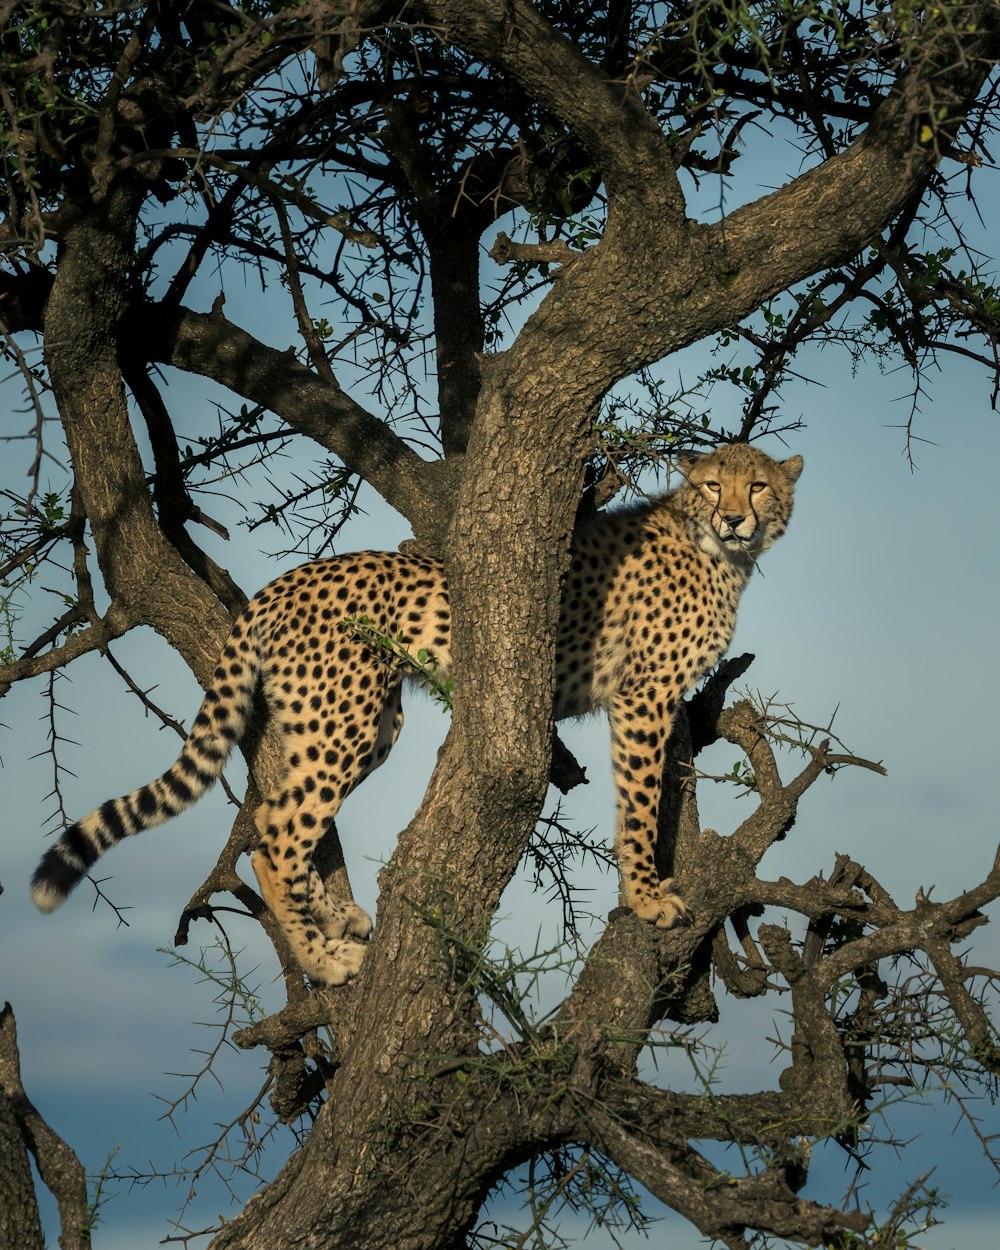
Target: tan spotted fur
x: 649, y: 607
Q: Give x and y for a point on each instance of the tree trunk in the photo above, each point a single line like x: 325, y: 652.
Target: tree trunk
x: 20, y: 1227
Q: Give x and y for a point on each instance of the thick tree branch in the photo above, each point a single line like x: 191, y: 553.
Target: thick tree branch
x: 827, y: 214
x: 22, y: 300
x: 58, y: 1166
x: 708, y: 277
x: 173, y: 503
x: 724, y: 1209
x: 607, y: 118
x: 210, y: 345
x: 112, y: 625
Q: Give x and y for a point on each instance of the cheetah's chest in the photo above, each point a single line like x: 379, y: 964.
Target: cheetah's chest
x: 664, y: 617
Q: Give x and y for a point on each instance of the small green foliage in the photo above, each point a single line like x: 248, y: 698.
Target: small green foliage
x: 650, y: 420
x: 52, y: 512
x: 9, y: 616
x: 741, y: 775
x: 913, y: 1214
x: 393, y: 651
x: 100, y: 1191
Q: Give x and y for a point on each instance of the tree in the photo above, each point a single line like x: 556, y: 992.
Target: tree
x: 355, y: 156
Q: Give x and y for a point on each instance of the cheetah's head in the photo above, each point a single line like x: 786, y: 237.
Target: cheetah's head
x: 739, y: 498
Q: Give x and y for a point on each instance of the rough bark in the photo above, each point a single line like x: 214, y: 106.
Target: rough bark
x: 20, y: 1227
x: 22, y: 1130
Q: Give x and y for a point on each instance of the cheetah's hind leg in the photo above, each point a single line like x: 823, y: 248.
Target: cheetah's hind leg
x: 321, y: 931
x: 661, y: 905
x: 324, y: 960
x: 336, y: 918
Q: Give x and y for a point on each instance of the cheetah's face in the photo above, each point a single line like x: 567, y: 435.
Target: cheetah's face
x: 743, y: 496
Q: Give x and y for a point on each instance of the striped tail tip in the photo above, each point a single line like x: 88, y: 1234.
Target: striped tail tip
x: 45, y: 897
x: 54, y: 879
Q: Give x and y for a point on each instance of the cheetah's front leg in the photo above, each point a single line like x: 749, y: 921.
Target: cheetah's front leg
x: 640, y: 726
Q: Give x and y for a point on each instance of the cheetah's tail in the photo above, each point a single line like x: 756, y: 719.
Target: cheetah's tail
x: 220, y: 723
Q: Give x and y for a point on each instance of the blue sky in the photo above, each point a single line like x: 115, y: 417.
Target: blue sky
x: 880, y: 603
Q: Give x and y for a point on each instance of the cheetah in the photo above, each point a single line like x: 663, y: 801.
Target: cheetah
x: 649, y: 606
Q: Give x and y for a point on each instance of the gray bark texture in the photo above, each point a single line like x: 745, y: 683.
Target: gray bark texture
x: 23, y: 1132
x: 20, y: 1227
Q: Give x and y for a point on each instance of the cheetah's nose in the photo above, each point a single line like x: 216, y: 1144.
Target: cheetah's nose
x: 733, y: 521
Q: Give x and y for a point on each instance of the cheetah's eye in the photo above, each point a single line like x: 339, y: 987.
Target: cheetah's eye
x: 712, y: 486
x: 757, y: 487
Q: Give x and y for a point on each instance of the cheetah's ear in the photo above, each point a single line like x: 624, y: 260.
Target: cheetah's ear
x: 686, y: 460
x: 793, y: 467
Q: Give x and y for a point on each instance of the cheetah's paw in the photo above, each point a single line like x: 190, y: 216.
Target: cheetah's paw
x: 339, y: 920
x: 357, y: 922
x: 662, y: 906
x: 338, y: 962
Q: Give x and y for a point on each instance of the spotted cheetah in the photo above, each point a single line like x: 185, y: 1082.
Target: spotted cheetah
x: 649, y: 606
